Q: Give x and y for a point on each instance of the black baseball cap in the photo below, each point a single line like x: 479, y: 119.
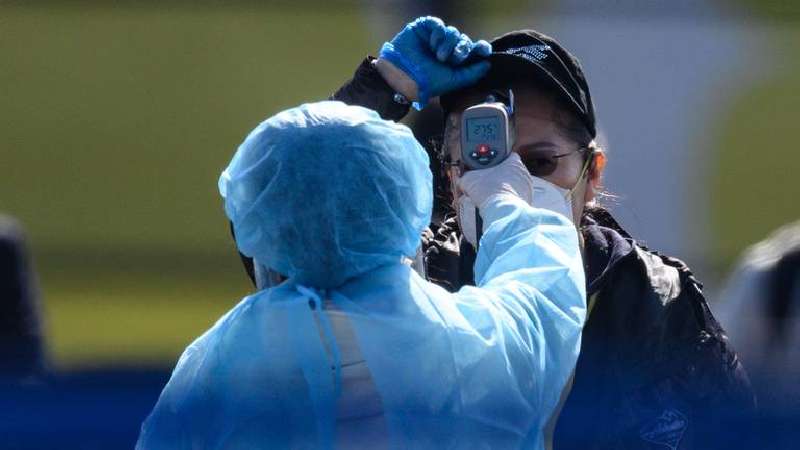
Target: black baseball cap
x: 529, y: 55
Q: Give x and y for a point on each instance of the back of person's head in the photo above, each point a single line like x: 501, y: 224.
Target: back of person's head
x: 325, y: 192
x: 22, y: 353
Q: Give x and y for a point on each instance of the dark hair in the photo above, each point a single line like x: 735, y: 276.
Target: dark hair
x: 569, y: 124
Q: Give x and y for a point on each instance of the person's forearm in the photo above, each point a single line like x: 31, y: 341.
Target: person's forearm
x: 533, y: 246
x: 530, y: 271
x: 369, y: 89
x: 396, y: 79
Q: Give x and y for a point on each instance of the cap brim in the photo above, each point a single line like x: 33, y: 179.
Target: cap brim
x: 523, y: 69
x: 507, y: 69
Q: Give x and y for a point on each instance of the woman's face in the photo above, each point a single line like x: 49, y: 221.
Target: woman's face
x: 538, y: 137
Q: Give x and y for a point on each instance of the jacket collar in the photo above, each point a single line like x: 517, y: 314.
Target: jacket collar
x: 606, y: 243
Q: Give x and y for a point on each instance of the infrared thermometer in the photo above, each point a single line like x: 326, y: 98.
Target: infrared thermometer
x: 486, y: 132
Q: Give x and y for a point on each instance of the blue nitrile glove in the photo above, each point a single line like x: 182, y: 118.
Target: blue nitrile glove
x: 434, y: 56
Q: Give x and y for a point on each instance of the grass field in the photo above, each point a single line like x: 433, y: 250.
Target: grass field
x: 144, y: 319
x: 116, y: 122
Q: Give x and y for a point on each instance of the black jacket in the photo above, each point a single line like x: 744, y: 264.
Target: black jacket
x: 655, y: 369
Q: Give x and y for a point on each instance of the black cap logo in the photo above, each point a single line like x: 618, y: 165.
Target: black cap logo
x: 533, y: 53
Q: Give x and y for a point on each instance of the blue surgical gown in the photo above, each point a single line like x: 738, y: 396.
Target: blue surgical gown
x: 480, y: 368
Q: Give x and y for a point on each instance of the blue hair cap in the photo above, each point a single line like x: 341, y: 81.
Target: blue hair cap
x: 325, y: 192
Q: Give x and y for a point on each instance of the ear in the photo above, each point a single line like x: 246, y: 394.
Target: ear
x: 595, y: 176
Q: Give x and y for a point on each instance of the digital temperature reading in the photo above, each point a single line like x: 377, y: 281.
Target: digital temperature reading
x: 483, y: 128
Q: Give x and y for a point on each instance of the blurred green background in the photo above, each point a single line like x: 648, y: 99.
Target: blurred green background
x: 114, y: 127
x: 754, y: 185
x: 117, y: 119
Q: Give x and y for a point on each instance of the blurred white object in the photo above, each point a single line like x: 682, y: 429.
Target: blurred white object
x: 760, y: 308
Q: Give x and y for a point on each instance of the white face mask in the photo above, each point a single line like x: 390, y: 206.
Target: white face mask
x: 545, y: 195
x: 549, y: 196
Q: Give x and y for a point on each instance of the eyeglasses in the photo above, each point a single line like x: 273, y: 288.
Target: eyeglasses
x: 541, y: 163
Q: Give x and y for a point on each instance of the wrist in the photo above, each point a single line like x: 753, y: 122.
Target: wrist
x: 396, y: 78
x: 498, y: 206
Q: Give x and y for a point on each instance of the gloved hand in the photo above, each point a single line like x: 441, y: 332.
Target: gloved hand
x: 510, y: 177
x: 434, y: 56
x: 477, y: 188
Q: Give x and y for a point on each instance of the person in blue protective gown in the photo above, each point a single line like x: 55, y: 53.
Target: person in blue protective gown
x: 353, y: 349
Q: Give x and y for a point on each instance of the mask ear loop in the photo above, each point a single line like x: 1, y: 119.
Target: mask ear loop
x: 584, y: 171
